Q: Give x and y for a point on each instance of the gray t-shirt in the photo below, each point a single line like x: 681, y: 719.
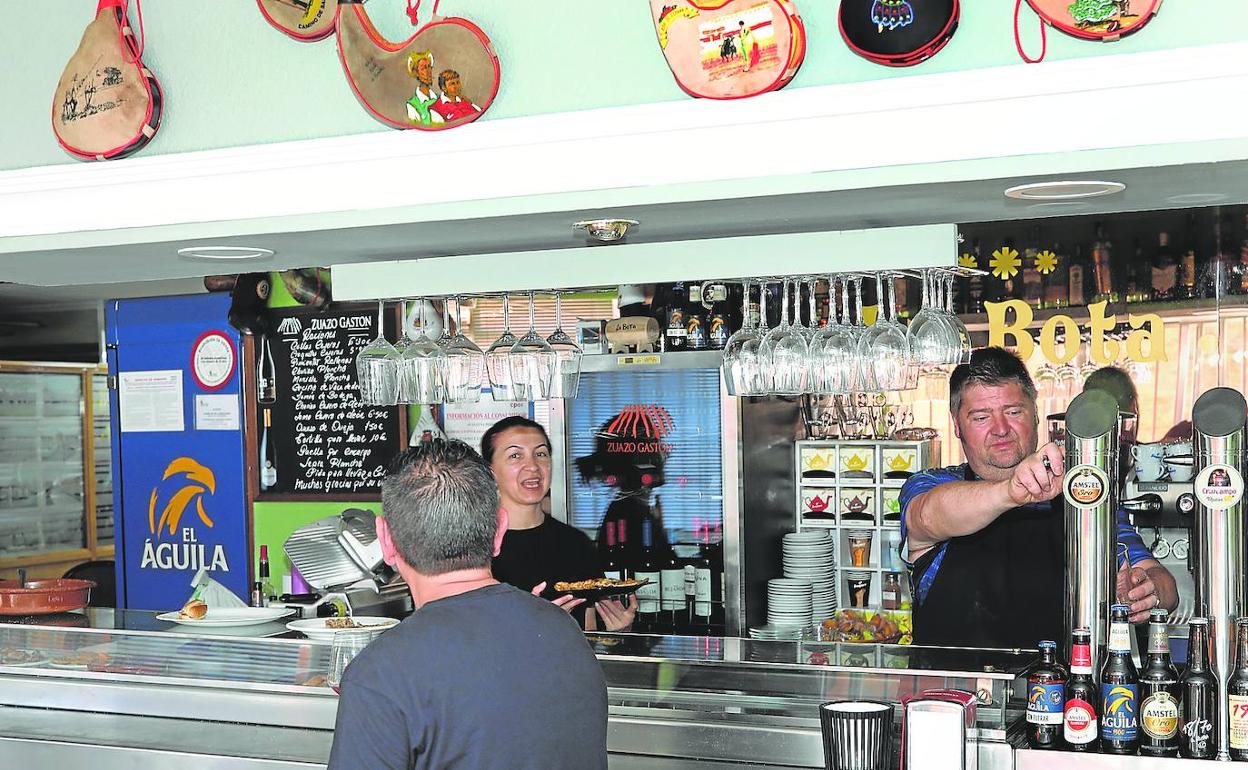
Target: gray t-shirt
x: 492, y: 678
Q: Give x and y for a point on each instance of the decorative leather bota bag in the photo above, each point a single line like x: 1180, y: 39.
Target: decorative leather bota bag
x: 305, y: 20
x: 1104, y: 20
x: 443, y: 76
x: 898, y: 33
x: 107, y: 104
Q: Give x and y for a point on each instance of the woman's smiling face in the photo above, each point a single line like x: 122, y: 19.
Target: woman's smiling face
x: 521, y: 465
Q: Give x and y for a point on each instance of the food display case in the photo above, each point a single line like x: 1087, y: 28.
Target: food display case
x: 116, y: 688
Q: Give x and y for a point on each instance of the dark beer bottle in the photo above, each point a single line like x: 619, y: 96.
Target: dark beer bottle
x: 1120, y: 689
x: 1198, y: 690
x: 1046, y: 695
x: 1159, y: 693
x: 1237, y: 692
x: 1079, y: 727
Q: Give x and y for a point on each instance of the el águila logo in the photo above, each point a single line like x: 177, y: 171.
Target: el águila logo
x: 184, y: 484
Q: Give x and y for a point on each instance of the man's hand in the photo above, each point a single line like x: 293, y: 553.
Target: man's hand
x: 1137, y: 590
x: 565, y: 602
x: 617, y: 616
x: 1038, y: 478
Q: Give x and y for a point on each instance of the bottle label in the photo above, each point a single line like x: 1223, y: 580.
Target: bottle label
x: 1196, y: 735
x: 1044, y: 702
x: 613, y: 574
x: 690, y: 580
x: 1120, y: 637
x: 673, y: 589
x: 1164, y: 280
x: 648, y: 595
x: 1079, y: 722
x: 1119, y: 721
x: 1239, y: 721
x: 1081, y: 659
x: 1158, y: 640
x: 702, y: 593
x: 1159, y: 716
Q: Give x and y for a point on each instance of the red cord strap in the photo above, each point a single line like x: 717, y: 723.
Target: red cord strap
x: 131, y: 48
x: 1018, y: 41
x: 413, y: 11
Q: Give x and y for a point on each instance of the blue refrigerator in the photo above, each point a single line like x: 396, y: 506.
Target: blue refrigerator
x: 175, y: 372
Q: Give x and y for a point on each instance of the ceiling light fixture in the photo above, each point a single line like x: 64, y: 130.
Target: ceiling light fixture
x: 1195, y: 199
x: 605, y: 230
x: 226, y: 253
x: 1066, y: 190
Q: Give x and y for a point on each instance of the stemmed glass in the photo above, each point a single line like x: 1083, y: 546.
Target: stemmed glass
x: 886, y: 347
x: 498, y: 360
x: 465, y: 366
x: 422, y: 370
x: 567, y: 379
x: 785, y: 352
x: 533, y: 362
x: 834, y: 349
x: 963, y: 353
x: 758, y: 375
x: 376, y: 367
x: 930, y: 338
x: 740, y: 365
x: 445, y: 338
x: 863, y: 376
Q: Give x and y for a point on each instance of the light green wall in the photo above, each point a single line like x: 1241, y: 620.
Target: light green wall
x: 274, y: 522
x: 232, y: 80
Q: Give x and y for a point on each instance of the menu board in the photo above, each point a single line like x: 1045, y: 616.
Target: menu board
x: 320, y: 439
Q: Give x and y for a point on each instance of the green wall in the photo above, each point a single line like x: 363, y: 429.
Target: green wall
x: 274, y: 522
x: 231, y: 80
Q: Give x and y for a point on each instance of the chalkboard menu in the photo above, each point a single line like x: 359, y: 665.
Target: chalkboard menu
x: 320, y: 439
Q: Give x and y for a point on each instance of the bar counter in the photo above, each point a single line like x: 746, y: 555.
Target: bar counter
x: 116, y: 688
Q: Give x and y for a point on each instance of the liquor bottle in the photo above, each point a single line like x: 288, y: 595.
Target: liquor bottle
x: 1237, y: 694
x: 268, y: 454
x: 1159, y: 693
x: 973, y: 296
x: 1198, y: 690
x: 1046, y: 696
x: 890, y: 591
x: 703, y: 595
x: 675, y: 334
x: 613, y: 566
x: 716, y: 297
x: 266, y: 378
x: 1033, y: 280
x: 1165, y: 269
x: 1056, y: 290
x: 1078, y: 279
x: 1102, y: 267
x: 695, y: 318
x: 1217, y: 276
x: 266, y: 582
x: 1010, y: 286
x: 1190, y: 264
x: 1139, y: 276
x: 647, y: 569
x: 1120, y: 689
x: 1079, y: 723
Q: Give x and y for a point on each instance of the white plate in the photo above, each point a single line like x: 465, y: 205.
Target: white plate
x: 43, y: 662
x: 229, y: 616
x: 314, y: 628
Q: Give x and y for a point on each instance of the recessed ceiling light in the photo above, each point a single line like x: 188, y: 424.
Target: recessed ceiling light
x: 605, y: 230
x: 225, y: 252
x: 1068, y: 190
x: 1195, y: 199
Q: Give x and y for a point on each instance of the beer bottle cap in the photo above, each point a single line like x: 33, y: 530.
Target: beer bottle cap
x: 1198, y: 622
x: 1158, y: 615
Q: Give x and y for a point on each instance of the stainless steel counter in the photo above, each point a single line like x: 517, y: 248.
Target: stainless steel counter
x: 165, y: 698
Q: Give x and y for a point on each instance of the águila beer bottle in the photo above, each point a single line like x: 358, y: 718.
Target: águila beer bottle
x: 1079, y: 723
x: 1159, y: 693
x: 1237, y: 692
x: 1120, y: 689
x: 1046, y: 696
x: 1198, y: 691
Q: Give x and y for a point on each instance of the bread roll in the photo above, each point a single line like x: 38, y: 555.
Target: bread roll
x: 194, y: 609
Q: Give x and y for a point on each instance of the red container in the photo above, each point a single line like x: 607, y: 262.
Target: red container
x: 43, y: 597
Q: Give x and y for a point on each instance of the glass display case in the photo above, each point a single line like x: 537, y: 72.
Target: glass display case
x: 673, y: 700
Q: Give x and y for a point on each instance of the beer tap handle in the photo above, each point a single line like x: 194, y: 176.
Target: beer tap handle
x: 1146, y: 503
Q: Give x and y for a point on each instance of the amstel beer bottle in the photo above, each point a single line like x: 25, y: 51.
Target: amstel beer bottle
x: 1079, y: 723
x: 1237, y: 692
x: 1159, y: 693
x: 1198, y: 691
x: 1120, y: 689
x: 1046, y: 695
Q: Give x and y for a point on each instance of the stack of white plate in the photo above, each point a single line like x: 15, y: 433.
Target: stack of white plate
x: 773, y: 633
x: 788, y: 603
x: 811, y: 556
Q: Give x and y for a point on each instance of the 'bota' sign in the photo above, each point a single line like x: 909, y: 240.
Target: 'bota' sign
x: 1145, y: 343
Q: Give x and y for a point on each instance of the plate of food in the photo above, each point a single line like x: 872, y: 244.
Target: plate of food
x: 22, y: 658
x: 77, y: 661
x: 597, y: 589
x: 197, y: 613
x: 325, y: 628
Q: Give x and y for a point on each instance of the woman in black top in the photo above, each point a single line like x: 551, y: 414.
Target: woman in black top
x: 538, y: 550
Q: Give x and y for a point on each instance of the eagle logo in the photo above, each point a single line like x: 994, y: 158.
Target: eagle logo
x: 196, y: 481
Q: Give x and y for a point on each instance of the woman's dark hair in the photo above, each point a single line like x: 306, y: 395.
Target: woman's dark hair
x: 515, y: 421
x: 1116, y: 383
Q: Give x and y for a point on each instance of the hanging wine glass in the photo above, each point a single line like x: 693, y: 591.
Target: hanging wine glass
x: 376, y: 367
x: 422, y: 370
x: 885, y: 346
x: 740, y: 366
x: 567, y: 379
x: 405, y: 337
x: 498, y: 360
x: 757, y: 376
x: 834, y: 350
x: 446, y: 336
x: 863, y: 373
x: 785, y: 352
x: 465, y: 366
x: 961, y: 354
x: 533, y: 361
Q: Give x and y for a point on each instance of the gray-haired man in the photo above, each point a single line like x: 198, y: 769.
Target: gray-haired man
x: 483, y: 675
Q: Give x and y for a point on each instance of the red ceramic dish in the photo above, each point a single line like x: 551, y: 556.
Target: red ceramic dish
x: 43, y: 597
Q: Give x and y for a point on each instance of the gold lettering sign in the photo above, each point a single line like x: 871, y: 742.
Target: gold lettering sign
x: 1005, y: 329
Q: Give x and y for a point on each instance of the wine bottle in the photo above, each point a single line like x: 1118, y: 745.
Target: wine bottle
x: 613, y: 566
x: 1102, y: 267
x: 671, y: 583
x: 266, y: 581
x: 1056, y: 291
x: 268, y: 454
x: 1165, y: 269
x: 266, y: 380
x: 703, y: 598
x: 1077, y: 279
x: 647, y: 569
x: 1033, y: 280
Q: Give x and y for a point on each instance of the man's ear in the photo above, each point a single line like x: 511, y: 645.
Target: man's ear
x: 501, y: 531
x: 389, y: 553
x: 957, y: 428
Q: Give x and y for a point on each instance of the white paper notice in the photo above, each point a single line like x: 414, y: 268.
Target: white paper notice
x: 216, y: 412
x: 151, y: 401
